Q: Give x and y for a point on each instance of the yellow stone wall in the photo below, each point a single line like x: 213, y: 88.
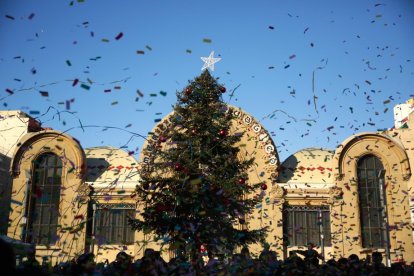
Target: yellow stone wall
x: 73, y: 199
x: 345, y: 224
x: 331, y: 182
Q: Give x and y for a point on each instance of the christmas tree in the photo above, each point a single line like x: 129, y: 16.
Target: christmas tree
x: 195, y: 188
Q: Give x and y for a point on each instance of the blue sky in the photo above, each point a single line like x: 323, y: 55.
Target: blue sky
x: 269, y: 49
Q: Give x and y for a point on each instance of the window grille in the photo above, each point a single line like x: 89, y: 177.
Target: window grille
x: 370, y: 202
x: 111, y: 223
x: 302, y: 225
x: 44, y: 197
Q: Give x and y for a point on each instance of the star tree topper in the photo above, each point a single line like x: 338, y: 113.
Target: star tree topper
x: 209, y: 61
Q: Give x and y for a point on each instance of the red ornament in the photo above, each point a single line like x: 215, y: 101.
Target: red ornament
x: 178, y: 167
x: 193, y: 131
x: 188, y: 90
x: 222, y: 89
x: 162, y: 139
x: 242, y: 181
x: 223, y: 132
x: 263, y: 186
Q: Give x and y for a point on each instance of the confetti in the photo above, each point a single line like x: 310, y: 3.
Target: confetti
x: 44, y: 93
x: 148, y: 47
x: 207, y: 40
x: 271, y: 27
x: 75, y: 82
x: 31, y: 16
x: 163, y: 93
x: 140, y: 52
x: 105, y: 40
x: 114, y: 103
x: 9, y: 17
x: 84, y: 86
x: 9, y: 91
x: 292, y: 56
x: 306, y: 30
x: 68, y: 63
x: 188, y: 51
x: 79, y: 217
x: 119, y: 36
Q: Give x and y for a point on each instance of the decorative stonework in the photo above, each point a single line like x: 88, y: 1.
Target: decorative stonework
x: 277, y: 194
x: 382, y: 144
x: 255, y: 142
x: 83, y: 192
x: 277, y: 191
x: 335, y: 196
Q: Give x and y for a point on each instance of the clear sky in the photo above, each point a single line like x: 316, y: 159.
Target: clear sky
x: 360, y: 52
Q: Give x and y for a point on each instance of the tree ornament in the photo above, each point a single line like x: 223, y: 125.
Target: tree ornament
x: 193, y: 131
x: 178, y: 167
x: 263, y: 186
x: 145, y: 186
x: 222, y: 89
x: 162, y: 139
x: 242, y: 221
x: 223, y: 132
x: 226, y: 201
x: 242, y: 181
x: 188, y: 90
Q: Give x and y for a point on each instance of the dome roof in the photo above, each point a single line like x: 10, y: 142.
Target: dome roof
x: 310, y: 165
x: 107, y: 166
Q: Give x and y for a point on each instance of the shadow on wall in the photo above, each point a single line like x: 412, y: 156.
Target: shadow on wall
x: 5, y: 192
x: 96, y: 168
x: 287, y: 169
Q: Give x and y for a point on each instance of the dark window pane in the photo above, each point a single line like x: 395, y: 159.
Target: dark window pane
x: 43, y: 205
x: 112, y: 224
x: 304, y: 224
x: 370, y: 201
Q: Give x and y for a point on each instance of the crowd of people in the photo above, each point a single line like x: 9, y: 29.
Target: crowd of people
x: 300, y: 262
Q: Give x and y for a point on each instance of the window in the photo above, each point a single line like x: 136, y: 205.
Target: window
x: 371, y: 204
x: 304, y: 224
x: 111, y: 223
x: 44, y: 197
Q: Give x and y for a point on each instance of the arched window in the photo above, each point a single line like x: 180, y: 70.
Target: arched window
x: 371, y: 201
x: 44, y: 197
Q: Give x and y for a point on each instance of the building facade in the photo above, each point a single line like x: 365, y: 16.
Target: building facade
x: 357, y: 198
